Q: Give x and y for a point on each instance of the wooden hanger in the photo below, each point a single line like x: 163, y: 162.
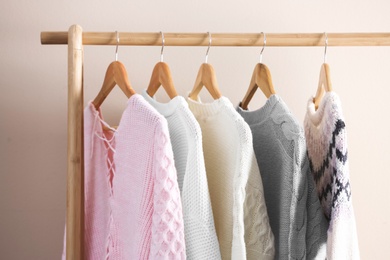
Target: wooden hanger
x: 206, y: 77
x: 161, y: 75
x: 261, y: 78
x: 115, y: 75
x: 324, y: 84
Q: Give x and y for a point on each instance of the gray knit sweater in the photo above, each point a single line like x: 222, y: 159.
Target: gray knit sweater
x: 292, y: 203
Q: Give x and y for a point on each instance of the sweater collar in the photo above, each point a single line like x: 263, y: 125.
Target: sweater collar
x: 200, y: 109
x: 166, y: 109
x: 326, y: 106
x: 259, y: 115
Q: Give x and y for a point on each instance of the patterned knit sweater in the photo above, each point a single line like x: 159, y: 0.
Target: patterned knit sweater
x: 292, y: 203
x: 327, y: 150
x: 186, y: 138
x: 235, y: 185
x: 132, y: 199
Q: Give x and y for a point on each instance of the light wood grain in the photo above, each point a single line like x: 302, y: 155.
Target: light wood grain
x: 324, y: 84
x: 206, y: 77
x: 223, y: 39
x: 261, y: 78
x: 161, y: 75
x: 116, y: 74
x: 75, y: 177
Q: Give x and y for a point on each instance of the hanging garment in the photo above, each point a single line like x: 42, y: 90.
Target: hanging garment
x: 132, y: 200
x: 146, y: 205
x: 327, y: 150
x: 230, y: 162
x: 186, y: 138
x: 98, y: 174
x: 292, y: 203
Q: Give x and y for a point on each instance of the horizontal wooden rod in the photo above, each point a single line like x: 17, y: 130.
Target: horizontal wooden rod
x: 223, y: 39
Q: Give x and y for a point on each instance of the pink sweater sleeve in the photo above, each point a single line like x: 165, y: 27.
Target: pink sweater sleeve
x: 167, y: 221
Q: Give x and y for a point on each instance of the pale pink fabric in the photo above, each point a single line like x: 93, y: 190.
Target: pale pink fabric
x: 132, y: 200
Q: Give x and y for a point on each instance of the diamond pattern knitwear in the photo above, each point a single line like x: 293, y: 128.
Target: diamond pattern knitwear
x: 132, y: 203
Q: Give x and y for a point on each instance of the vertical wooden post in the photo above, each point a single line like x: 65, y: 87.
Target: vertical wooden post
x: 75, y: 177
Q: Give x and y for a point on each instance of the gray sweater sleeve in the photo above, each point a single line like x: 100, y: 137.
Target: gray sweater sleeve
x: 316, y: 229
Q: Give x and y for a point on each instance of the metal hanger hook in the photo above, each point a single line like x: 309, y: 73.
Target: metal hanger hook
x: 326, y: 45
x: 162, y: 46
x: 117, y: 44
x: 264, y: 43
x: 208, y: 49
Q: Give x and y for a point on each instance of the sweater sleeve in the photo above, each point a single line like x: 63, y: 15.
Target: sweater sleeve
x: 342, y: 234
x: 259, y: 239
x: 200, y: 234
x: 167, y: 220
x: 316, y: 230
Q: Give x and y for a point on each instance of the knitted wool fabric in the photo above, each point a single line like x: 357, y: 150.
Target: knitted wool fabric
x: 230, y: 162
x: 292, y: 203
x: 98, y: 158
x: 146, y: 206
x: 186, y: 138
x: 327, y: 150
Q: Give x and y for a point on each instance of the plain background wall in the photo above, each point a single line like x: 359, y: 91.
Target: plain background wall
x: 33, y: 105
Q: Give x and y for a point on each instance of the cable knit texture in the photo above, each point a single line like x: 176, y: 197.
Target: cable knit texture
x: 327, y: 150
x: 291, y: 201
x: 230, y: 162
x: 186, y: 138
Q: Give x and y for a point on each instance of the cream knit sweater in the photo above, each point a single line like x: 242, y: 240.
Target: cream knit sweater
x: 327, y: 150
x: 186, y: 138
x: 236, y: 189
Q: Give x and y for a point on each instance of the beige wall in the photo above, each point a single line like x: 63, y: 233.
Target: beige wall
x: 33, y: 81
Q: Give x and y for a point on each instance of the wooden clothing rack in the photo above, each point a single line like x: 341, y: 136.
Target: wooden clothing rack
x: 76, y: 38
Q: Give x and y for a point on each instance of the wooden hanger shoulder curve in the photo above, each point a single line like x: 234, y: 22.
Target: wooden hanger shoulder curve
x: 206, y: 77
x: 161, y: 75
x: 116, y: 74
x: 261, y: 78
x: 324, y: 84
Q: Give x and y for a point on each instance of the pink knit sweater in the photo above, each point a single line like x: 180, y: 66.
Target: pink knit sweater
x: 132, y: 204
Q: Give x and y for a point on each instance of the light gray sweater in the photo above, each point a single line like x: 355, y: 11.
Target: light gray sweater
x: 294, y: 210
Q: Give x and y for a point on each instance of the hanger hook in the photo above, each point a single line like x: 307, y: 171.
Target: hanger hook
x: 117, y: 43
x: 264, y: 43
x: 162, y: 46
x: 208, y: 49
x: 326, y: 45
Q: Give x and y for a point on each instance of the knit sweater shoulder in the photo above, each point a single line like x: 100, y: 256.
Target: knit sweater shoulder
x: 186, y: 138
x: 146, y: 207
x: 326, y: 137
x: 292, y: 203
x: 230, y: 163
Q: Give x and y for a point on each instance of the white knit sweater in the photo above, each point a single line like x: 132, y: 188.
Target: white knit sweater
x: 230, y: 163
x: 186, y: 138
x: 327, y: 150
